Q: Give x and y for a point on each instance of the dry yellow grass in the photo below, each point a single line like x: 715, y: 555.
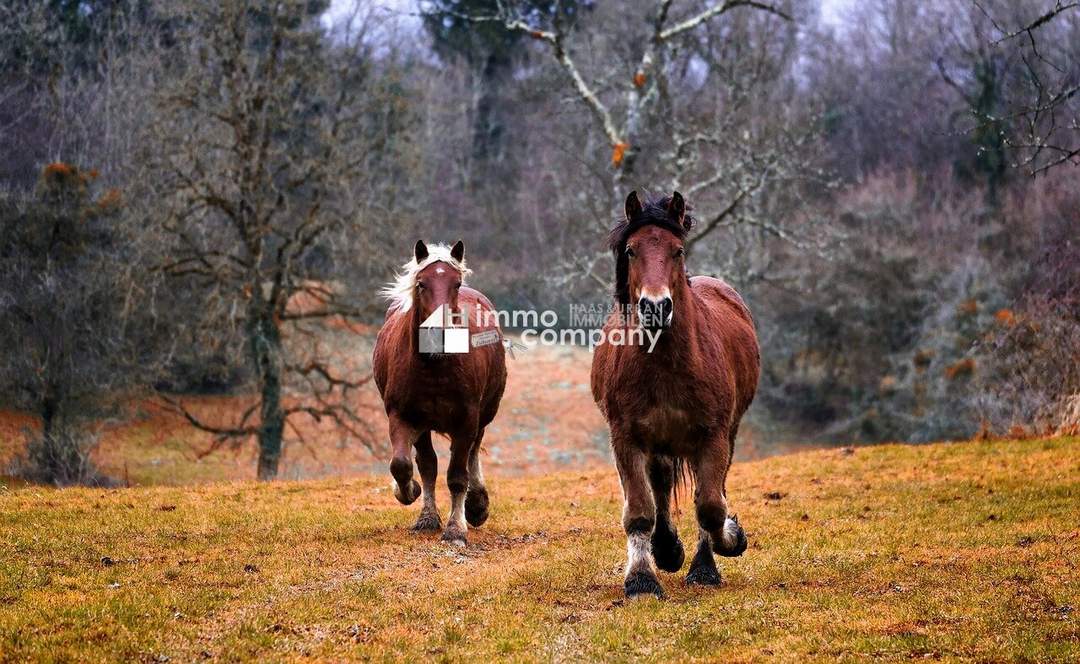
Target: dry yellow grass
x: 952, y: 551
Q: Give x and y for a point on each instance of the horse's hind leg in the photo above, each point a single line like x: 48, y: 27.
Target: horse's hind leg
x: 402, y: 437
x: 639, y: 518
x: 667, y: 550
x: 476, y: 499
x: 428, y: 465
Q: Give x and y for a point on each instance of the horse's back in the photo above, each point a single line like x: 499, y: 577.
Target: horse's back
x: 472, y: 298
x: 734, y: 325
x: 720, y: 293
x: 488, y: 360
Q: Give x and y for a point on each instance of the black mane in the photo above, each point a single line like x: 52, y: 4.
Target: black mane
x: 654, y: 212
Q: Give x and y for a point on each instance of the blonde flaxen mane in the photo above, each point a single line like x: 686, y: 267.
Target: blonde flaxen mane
x: 400, y: 291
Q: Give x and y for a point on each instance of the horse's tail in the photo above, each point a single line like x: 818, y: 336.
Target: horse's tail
x: 683, y: 478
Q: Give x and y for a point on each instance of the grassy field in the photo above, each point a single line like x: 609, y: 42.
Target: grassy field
x: 951, y: 551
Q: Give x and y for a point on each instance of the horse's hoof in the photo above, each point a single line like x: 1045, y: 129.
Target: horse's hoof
x: 667, y: 550
x: 642, y: 583
x: 703, y: 575
x: 732, y: 542
x: 454, y: 538
x: 427, y: 523
x: 476, y: 507
x: 410, y: 496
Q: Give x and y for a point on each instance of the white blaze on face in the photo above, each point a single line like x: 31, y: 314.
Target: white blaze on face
x: 656, y: 296
x: 439, y: 270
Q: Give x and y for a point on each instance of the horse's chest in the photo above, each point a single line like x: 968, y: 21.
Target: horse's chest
x: 665, y: 422
x: 438, y: 404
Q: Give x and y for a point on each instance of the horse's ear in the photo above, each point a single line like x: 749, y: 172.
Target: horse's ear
x: 457, y: 252
x: 633, y: 206
x: 420, y: 251
x: 676, y: 209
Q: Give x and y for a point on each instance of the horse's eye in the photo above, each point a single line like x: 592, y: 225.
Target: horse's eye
x: 680, y: 253
x: 420, y: 285
x: 457, y: 285
x: 629, y: 252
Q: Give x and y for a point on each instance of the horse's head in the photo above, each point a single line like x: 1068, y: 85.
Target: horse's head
x: 431, y: 279
x: 438, y: 280
x: 650, y: 271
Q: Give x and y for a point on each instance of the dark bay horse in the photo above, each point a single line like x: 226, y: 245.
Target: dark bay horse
x: 425, y: 389
x: 681, y: 403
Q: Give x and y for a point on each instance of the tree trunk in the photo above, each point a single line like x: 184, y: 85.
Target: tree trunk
x: 50, y: 459
x: 266, y: 353
x: 489, y: 124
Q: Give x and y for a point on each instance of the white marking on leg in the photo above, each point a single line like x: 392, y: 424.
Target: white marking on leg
x: 456, y: 522
x: 639, y: 554
x: 476, y: 472
x: 429, y: 497
x: 731, y: 534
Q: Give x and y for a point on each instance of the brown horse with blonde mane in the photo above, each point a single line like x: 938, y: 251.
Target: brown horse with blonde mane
x: 424, y: 390
x: 679, y: 404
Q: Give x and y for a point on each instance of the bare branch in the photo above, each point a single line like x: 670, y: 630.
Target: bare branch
x: 717, y: 10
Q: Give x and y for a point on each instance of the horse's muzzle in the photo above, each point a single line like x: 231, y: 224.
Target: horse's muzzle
x: 655, y: 313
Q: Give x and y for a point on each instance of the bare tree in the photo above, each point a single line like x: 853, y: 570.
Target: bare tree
x: 683, y: 100
x: 1044, y: 123
x: 265, y: 134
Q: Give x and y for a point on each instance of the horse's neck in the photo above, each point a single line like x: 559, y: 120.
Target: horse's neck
x: 410, y: 331
x: 682, y: 336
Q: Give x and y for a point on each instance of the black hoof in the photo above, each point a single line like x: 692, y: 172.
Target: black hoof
x: 667, y: 550
x: 722, y: 546
x: 455, y: 537
x: 411, y: 494
x: 642, y: 583
x: 427, y: 523
x: 703, y: 575
x: 476, y: 507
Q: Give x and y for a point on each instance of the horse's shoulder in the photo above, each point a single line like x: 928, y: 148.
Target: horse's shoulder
x: 473, y: 295
x: 716, y: 290
x: 386, y: 341
x: 603, y: 358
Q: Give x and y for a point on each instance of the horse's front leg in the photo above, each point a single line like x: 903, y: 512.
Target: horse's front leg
x: 639, y: 518
x: 476, y: 500
x: 428, y: 465
x: 457, y: 480
x: 667, y: 550
x: 718, y: 531
x: 402, y: 437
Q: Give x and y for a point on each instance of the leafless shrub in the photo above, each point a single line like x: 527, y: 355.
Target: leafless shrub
x: 269, y: 156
